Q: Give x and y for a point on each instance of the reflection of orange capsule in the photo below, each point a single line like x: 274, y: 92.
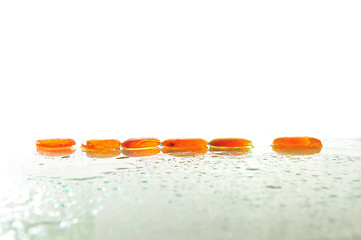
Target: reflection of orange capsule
x: 296, y: 151
x: 141, y: 152
x: 297, y: 142
x: 55, y: 152
x: 230, y: 142
x: 230, y: 151
x: 141, y: 143
x: 185, y: 142
x: 102, y: 153
x: 55, y: 143
x: 185, y: 151
x: 109, y: 144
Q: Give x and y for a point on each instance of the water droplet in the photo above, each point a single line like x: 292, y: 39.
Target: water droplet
x: 65, y: 224
x: 93, y: 212
x: 273, y: 187
x: 75, y: 220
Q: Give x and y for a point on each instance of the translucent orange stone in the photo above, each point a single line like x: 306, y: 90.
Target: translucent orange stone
x: 55, y: 143
x: 103, y: 153
x: 230, y: 151
x: 185, y: 143
x: 185, y: 151
x: 141, y: 143
x: 141, y: 152
x: 109, y: 144
x: 297, y: 142
x: 230, y: 142
x: 55, y: 152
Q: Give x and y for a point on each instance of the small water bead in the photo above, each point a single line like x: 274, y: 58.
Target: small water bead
x: 273, y: 187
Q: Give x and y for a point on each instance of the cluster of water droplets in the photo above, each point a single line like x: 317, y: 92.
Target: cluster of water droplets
x: 261, y: 195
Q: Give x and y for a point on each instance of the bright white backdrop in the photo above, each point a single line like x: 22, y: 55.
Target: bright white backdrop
x: 120, y: 69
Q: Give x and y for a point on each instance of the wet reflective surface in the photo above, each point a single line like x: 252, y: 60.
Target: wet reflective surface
x: 257, y: 194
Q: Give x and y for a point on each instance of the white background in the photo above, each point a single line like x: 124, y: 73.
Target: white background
x: 121, y: 69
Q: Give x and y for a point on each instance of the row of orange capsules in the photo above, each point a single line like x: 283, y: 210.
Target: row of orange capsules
x: 140, y: 147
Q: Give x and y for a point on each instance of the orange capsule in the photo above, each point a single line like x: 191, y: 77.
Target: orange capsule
x: 103, y: 153
x: 185, y: 151
x: 55, y: 152
x: 230, y: 143
x: 55, y: 143
x: 185, y: 143
x: 141, y: 152
x: 230, y: 151
x: 100, y: 145
x: 297, y: 142
x: 141, y: 143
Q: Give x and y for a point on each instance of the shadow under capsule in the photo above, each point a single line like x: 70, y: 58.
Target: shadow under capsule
x: 296, y: 151
x: 102, y: 153
x: 143, y: 152
x: 55, y: 152
x: 185, y: 151
x: 230, y: 150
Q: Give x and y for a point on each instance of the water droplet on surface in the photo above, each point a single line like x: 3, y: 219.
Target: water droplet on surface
x: 273, y: 187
